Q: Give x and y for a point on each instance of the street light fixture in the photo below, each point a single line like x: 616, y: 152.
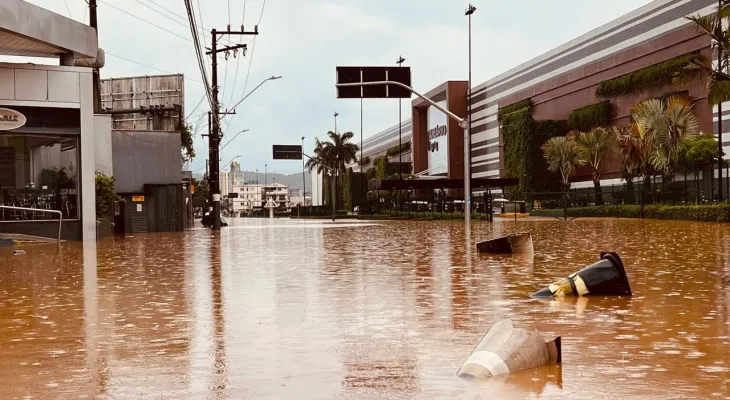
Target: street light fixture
x: 336, y: 114
x: 272, y: 78
x: 234, y: 136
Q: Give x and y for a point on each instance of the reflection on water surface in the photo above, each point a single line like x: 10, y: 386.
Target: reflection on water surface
x: 290, y: 309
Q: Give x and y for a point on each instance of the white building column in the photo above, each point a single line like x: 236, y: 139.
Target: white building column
x: 88, y: 158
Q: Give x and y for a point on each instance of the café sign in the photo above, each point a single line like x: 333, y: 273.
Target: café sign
x: 11, y: 119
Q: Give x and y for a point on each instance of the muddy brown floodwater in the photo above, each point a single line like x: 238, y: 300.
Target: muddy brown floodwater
x: 307, y: 310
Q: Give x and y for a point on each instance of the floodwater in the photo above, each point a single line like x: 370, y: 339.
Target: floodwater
x: 309, y: 310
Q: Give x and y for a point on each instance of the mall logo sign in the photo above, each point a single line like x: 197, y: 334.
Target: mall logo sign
x: 10, y: 119
x: 438, y: 131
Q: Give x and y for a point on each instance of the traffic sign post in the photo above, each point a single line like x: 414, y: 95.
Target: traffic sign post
x: 294, y: 152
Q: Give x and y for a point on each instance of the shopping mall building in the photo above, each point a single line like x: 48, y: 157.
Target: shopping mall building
x: 557, y: 84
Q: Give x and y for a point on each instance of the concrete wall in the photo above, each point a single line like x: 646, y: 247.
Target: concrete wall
x: 145, y: 157
x: 26, y: 85
x: 103, y: 144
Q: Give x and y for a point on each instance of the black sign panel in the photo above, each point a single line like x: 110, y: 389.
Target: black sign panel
x: 287, y: 152
x: 374, y: 74
x: 233, y: 195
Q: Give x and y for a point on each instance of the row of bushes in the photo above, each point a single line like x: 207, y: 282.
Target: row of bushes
x: 645, y: 79
x: 706, y: 213
x: 432, y: 215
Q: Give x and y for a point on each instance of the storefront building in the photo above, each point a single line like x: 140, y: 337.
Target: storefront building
x: 47, y: 145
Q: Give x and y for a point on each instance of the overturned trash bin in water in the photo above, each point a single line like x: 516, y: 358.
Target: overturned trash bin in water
x: 607, y: 277
x: 506, y: 349
x: 514, y: 243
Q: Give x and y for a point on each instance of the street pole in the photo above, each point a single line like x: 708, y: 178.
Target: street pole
x: 215, y: 133
x: 467, y: 137
x: 400, y: 128
x: 362, y: 173
x: 721, y: 68
x: 96, y: 84
x: 304, y: 180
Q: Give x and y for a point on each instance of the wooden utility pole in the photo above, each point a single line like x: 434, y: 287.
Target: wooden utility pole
x: 93, y: 22
x: 215, y: 131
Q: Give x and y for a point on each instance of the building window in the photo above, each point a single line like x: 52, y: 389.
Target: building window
x: 39, y: 171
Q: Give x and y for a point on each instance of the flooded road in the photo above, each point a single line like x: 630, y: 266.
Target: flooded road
x: 307, y: 310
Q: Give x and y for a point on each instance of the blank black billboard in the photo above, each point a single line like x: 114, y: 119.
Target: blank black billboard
x: 373, y: 74
x: 287, y: 152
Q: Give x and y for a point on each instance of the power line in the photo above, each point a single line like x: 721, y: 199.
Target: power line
x: 263, y: 7
x: 162, y: 13
x: 68, y: 9
x: 196, y: 107
x: 168, y: 10
x: 149, y: 66
x: 144, y: 20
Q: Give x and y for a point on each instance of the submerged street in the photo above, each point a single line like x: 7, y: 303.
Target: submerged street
x: 312, y: 310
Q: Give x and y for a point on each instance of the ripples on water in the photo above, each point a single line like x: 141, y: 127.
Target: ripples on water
x: 295, y: 310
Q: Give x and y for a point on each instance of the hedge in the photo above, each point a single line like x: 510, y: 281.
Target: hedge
x: 706, y: 213
x: 542, y: 179
x: 645, y: 79
x: 523, y: 138
x: 395, y: 150
x: 586, y: 118
x: 517, y: 128
x: 527, y: 103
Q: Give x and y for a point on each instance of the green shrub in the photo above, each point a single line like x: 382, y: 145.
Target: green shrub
x: 589, y: 117
x: 527, y: 103
x: 523, y: 158
x: 105, y: 195
x: 645, y: 79
x: 395, y: 150
x: 517, y: 130
x: 706, y: 213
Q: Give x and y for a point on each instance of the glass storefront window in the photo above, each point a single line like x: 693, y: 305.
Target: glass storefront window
x: 39, y: 171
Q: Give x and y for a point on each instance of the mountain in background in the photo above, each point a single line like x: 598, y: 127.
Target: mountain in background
x: 294, y: 181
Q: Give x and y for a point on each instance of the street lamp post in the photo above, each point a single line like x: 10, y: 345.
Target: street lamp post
x: 336, y: 114
x: 400, y: 128
x: 467, y: 133
x: 304, y: 180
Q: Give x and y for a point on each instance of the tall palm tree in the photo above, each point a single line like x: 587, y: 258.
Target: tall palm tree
x: 335, y: 153
x: 593, y: 147
x: 562, y: 156
x: 716, y: 74
x: 340, y: 151
x: 670, y: 124
x: 319, y: 161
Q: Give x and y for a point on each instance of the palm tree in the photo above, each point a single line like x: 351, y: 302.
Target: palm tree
x: 718, y: 80
x: 335, y: 153
x: 562, y: 156
x: 319, y: 162
x: 670, y: 124
x: 593, y: 147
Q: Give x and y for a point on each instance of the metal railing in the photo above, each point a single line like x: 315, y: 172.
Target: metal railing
x: 60, y: 215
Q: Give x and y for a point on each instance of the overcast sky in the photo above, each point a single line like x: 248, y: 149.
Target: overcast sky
x: 303, y: 41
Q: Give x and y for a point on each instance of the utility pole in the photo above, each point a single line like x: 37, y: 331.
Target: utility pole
x: 96, y: 85
x: 215, y: 133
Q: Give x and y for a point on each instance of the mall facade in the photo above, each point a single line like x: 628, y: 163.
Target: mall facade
x: 556, y: 84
